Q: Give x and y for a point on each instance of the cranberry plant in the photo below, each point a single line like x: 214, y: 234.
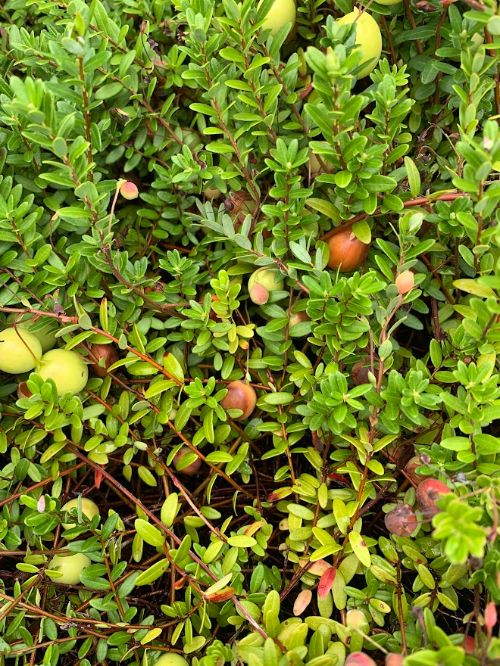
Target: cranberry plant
x: 282, y: 272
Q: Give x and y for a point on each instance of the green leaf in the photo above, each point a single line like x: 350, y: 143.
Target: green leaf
x: 108, y: 90
x: 320, y: 117
x: 380, y: 184
x: 147, y: 476
x: 392, y: 202
x: 173, y: 367
x: 152, y: 573
x: 300, y: 252
x: 278, y: 398
x: 324, y: 207
x: 241, y: 541
x: 212, y: 552
x: 426, y: 576
x: 219, y: 585
x: 448, y: 603
x: 159, y: 387
x: 413, y: 176
x: 343, y: 178
x: 27, y: 568
x: 359, y: 548
x: 376, y: 467
x: 325, y: 551
x: 169, y: 509
x: 338, y: 591
x: 362, y: 231
x: 219, y: 147
x: 217, y: 457
x: 195, y: 644
x: 73, y: 213
x: 380, y: 605
x: 231, y: 54
x: 93, y: 582
x: 473, y: 287
x: 202, y: 108
x: 435, y: 353
x: 151, y: 635
x: 385, y: 349
x: 150, y: 534
x: 300, y: 511
x: 487, y: 445
x: 59, y: 146
x: 182, y: 416
x: 456, y: 443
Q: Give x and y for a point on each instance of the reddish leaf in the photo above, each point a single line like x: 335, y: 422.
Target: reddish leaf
x: 490, y: 616
x: 98, y: 476
x: 339, y: 478
x: 222, y: 595
x: 302, y: 602
x: 469, y: 645
x: 254, y: 527
x: 317, y: 568
x: 180, y: 582
x: 326, y: 582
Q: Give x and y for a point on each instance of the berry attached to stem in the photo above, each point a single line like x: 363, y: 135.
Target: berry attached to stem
x: 240, y: 396
x: 102, y: 357
x: 182, y: 462
x: 262, y: 282
x: 67, y: 369
x: 401, y: 521
x: 281, y: 13
x: 405, y: 282
x: 129, y: 190
x: 428, y: 492
x: 20, y: 350
x: 346, y: 251
x: 368, y: 39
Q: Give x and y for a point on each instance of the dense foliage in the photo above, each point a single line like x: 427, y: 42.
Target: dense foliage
x: 154, y: 155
